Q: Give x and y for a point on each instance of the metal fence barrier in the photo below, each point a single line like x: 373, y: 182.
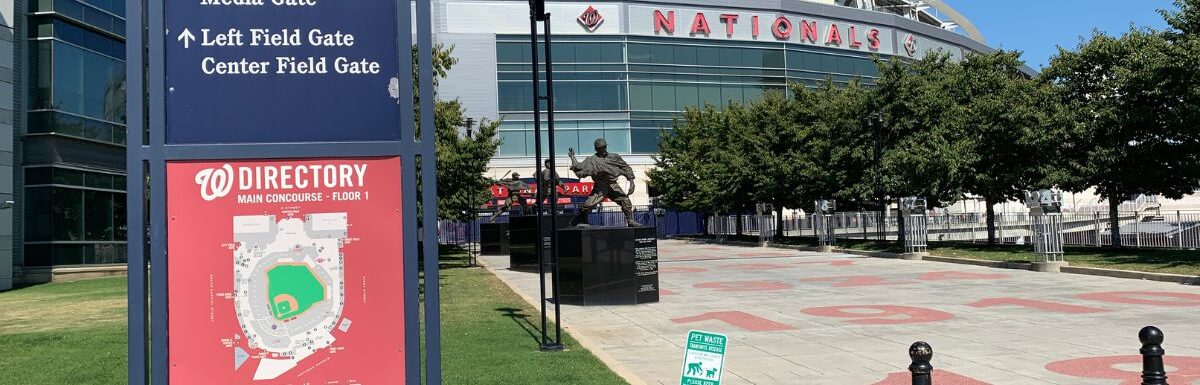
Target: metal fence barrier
x: 1139, y: 229
x: 668, y: 223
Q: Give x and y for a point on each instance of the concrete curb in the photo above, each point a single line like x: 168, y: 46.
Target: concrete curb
x: 1093, y: 271
x: 584, y: 341
x: 1160, y: 277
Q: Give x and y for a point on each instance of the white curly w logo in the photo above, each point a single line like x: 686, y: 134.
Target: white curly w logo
x: 215, y: 182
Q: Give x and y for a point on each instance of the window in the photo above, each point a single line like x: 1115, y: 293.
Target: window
x: 640, y: 96
x: 773, y: 59
x: 565, y: 53
x: 38, y: 175
x: 662, y: 54
x: 512, y: 53
x: 516, y: 96
x: 663, y: 97
x: 618, y: 141
x: 639, y: 53
x: 684, y: 54
x: 729, y: 57
x: 732, y: 93
x: 88, y: 84
x: 708, y: 56
x: 687, y: 95
x: 120, y: 226
x: 68, y: 176
x: 44, y: 122
x: 38, y: 214
x: 565, y: 140
x: 68, y: 254
x: 64, y: 213
x: 512, y: 143
x: 751, y: 93
x: 98, y: 215
x: 612, y: 52
x: 98, y: 180
x: 67, y: 214
x: 644, y: 141
x: 710, y: 94
x: 107, y: 15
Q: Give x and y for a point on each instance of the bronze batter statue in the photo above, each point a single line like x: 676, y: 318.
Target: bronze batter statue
x: 549, y: 178
x: 514, y: 186
x: 604, y: 168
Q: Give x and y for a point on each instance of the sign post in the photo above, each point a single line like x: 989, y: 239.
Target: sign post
x: 278, y: 147
x: 704, y: 359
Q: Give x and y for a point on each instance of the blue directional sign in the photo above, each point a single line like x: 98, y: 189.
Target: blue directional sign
x: 284, y: 71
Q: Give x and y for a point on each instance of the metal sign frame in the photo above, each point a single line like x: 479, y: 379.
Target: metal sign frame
x: 148, y: 153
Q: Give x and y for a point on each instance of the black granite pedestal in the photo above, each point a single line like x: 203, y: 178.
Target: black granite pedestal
x: 608, y: 266
x: 493, y: 238
x: 522, y: 236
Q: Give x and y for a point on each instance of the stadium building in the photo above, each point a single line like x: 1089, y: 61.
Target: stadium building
x: 625, y: 69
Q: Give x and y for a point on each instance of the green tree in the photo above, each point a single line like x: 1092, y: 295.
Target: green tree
x: 1185, y: 21
x: 837, y: 144
x: 1004, y: 113
x: 777, y: 141
x: 1132, y: 105
x: 461, y: 159
x: 714, y: 160
x: 686, y: 153
x: 924, y: 154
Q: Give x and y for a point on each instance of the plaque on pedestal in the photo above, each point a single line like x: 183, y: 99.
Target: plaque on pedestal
x: 608, y: 266
x: 522, y: 236
x: 493, y: 238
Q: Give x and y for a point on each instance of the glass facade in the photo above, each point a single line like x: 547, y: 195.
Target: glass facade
x: 627, y: 88
x: 73, y: 217
x: 74, y: 134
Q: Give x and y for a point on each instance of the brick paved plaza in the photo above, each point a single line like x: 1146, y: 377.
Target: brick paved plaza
x: 808, y: 318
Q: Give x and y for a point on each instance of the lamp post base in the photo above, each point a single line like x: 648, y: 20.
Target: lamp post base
x: 1049, y: 267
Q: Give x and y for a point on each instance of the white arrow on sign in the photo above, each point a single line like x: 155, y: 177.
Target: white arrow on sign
x: 187, y: 38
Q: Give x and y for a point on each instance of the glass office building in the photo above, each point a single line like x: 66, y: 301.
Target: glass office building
x: 68, y: 135
x: 624, y: 70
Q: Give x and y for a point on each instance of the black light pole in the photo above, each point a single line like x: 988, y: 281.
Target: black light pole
x: 877, y: 121
x: 537, y: 12
x: 471, y: 214
x: 556, y: 345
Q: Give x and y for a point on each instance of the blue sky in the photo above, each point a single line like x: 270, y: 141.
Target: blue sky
x: 1038, y: 27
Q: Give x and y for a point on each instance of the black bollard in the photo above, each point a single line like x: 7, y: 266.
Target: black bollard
x: 1153, y: 372
x: 922, y: 371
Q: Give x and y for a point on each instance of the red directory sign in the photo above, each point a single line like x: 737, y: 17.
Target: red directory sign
x: 286, y: 272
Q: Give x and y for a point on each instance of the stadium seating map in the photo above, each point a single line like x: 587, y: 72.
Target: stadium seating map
x: 286, y: 272
x: 288, y: 286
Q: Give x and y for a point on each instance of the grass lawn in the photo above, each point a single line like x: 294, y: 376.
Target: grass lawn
x: 75, y: 333
x: 490, y: 336
x: 1186, y: 262
x: 64, y: 333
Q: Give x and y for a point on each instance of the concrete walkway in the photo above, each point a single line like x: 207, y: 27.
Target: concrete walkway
x: 807, y: 318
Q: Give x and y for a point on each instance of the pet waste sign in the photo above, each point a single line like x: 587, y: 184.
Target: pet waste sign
x: 704, y: 359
